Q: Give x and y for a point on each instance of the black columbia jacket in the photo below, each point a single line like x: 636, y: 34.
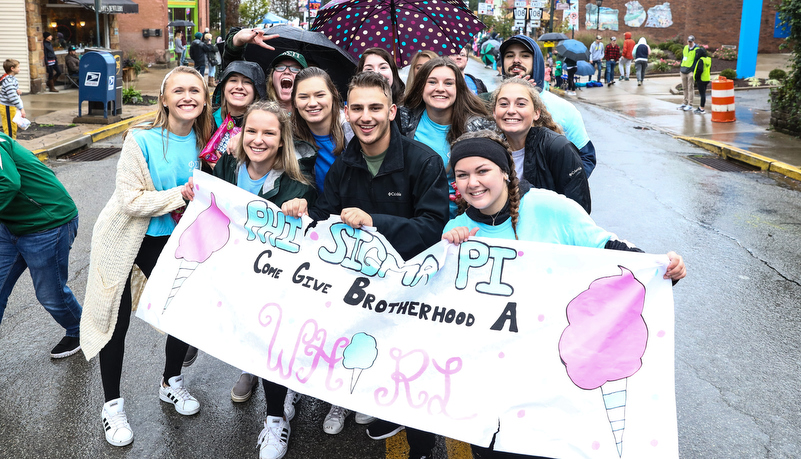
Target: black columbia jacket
x: 407, y: 199
x: 553, y: 162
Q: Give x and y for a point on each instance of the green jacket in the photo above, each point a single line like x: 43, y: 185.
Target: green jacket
x: 31, y: 197
x: 284, y: 189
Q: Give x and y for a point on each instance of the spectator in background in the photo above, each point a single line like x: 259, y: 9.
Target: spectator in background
x: 198, y: 51
x: 53, y: 72
x: 641, y: 53
x: 180, y: 48
x: 701, y: 76
x: 597, y: 55
x: 213, y: 59
x: 612, y: 54
x: 10, y: 100
x: 688, y: 62
x: 417, y: 61
x: 626, y: 57
x: 72, y: 62
x: 474, y: 84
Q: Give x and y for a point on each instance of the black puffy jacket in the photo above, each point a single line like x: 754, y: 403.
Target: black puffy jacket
x: 407, y: 199
x: 553, y: 162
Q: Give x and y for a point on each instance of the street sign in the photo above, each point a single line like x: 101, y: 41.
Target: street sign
x: 520, y: 23
x: 485, y: 8
x: 521, y: 3
x: 537, y: 4
x: 520, y: 14
x: 534, y: 23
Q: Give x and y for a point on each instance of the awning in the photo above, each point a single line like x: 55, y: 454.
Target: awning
x: 109, y: 6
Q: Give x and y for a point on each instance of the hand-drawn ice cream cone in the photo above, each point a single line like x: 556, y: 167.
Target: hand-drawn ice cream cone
x: 355, y: 378
x: 614, y: 394
x: 204, y: 236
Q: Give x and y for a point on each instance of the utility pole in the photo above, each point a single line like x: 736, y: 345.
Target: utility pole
x: 222, y: 19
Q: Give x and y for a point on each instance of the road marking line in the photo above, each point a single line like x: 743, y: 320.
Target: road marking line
x: 397, y: 446
x: 458, y: 449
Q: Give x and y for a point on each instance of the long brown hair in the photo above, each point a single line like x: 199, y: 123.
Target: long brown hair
x: 545, y: 119
x: 465, y: 106
x: 511, y: 184
x: 286, y: 159
x: 398, y: 87
x: 302, y: 130
x: 203, y: 124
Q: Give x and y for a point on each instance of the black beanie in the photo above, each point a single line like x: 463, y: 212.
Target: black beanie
x: 47, y: 34
x: 483, y: 147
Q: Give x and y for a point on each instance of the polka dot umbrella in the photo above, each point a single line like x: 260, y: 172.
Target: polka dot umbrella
x: 402, y: 27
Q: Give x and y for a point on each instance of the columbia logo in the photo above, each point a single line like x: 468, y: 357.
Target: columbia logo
x: 394, y: 193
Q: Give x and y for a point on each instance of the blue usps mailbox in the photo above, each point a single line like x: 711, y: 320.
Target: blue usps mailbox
x: 98, y: 82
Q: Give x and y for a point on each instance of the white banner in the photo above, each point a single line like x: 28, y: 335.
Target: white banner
x: 563, y: 351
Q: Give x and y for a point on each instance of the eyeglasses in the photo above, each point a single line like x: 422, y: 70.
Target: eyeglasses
x: 292, y: 68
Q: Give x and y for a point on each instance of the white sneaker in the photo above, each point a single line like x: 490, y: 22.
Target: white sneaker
x: 681, y: 107
x: 177, y: 394
x: 335, y: 420
x: 115, y: 423
x: 274, y: 438
x: 363, y: 419
x: 292, y: 397
x: 687, y: 108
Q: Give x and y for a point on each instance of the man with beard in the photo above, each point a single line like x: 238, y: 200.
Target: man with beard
x: 522, y: 59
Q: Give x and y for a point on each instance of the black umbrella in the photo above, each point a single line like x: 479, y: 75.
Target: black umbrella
x: 318, y: 50
x: 553, y: 36
x: 181, y: 23
x: 573, y: 49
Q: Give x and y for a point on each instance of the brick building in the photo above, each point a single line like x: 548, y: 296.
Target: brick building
x: 147, y: 34
x: 713, y: 22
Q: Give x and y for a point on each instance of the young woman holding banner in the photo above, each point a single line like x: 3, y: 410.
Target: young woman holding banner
x: 495, y: 204
x: 264, y: 163
x: 156, y: 161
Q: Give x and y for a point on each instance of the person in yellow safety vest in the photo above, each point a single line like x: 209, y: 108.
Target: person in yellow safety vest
x: 701, y: 76
x: 686, y: 69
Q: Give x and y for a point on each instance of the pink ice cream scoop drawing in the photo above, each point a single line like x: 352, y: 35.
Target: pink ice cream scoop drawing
x: 605, y: 341
x: 204, y: 236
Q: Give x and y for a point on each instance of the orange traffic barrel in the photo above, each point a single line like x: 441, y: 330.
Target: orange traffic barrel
x: 723, y: 100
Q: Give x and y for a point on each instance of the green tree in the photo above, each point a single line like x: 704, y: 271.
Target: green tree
x: 251, y: 12
x: 788, y: 95
x: 287, y: 9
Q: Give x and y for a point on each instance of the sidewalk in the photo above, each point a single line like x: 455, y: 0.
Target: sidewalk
x: 62, y: 107
x: 654, y: 104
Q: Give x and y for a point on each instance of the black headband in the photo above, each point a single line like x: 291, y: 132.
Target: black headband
x: 483, y: 147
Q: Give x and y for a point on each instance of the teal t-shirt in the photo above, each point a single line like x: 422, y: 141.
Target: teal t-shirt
x: 244, y: 181
x: 544, y: 216
x: 436, y: 136
x: 170, y: 161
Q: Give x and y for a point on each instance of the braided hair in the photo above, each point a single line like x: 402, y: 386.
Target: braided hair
x: 511, y: 183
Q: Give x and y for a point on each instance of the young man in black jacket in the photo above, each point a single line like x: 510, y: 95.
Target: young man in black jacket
x: 389, y: 182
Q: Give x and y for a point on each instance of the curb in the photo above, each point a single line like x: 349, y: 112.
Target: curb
x: 85, y: 139
x: 744, y: 156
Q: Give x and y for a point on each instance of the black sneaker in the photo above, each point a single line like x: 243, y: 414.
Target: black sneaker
x: 191, y: 356
x: 381, y: 429
x: 68, y: 346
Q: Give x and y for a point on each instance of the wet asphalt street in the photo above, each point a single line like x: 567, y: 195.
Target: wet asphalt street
x: 738, y: 323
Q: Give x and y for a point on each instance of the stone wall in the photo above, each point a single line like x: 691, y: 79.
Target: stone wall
x: 35, y: 50
x: 713, y: 22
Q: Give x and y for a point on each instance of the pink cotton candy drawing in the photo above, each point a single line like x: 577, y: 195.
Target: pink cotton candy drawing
x: 605, y: 341
x: 204, y: 236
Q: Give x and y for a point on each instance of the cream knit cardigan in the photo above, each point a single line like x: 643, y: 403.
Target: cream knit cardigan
x: 116, y: 239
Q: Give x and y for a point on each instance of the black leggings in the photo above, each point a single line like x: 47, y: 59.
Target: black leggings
x: 275, y: 395
x: 113, y: 352
x: 571, y: 80
x: 701, y: 85
x: 53, y: 72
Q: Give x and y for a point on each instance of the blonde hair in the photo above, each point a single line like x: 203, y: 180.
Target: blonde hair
x: 412, y: 72
x: 203, y: 123
x: 287, y: 158
x: 545, y: 119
